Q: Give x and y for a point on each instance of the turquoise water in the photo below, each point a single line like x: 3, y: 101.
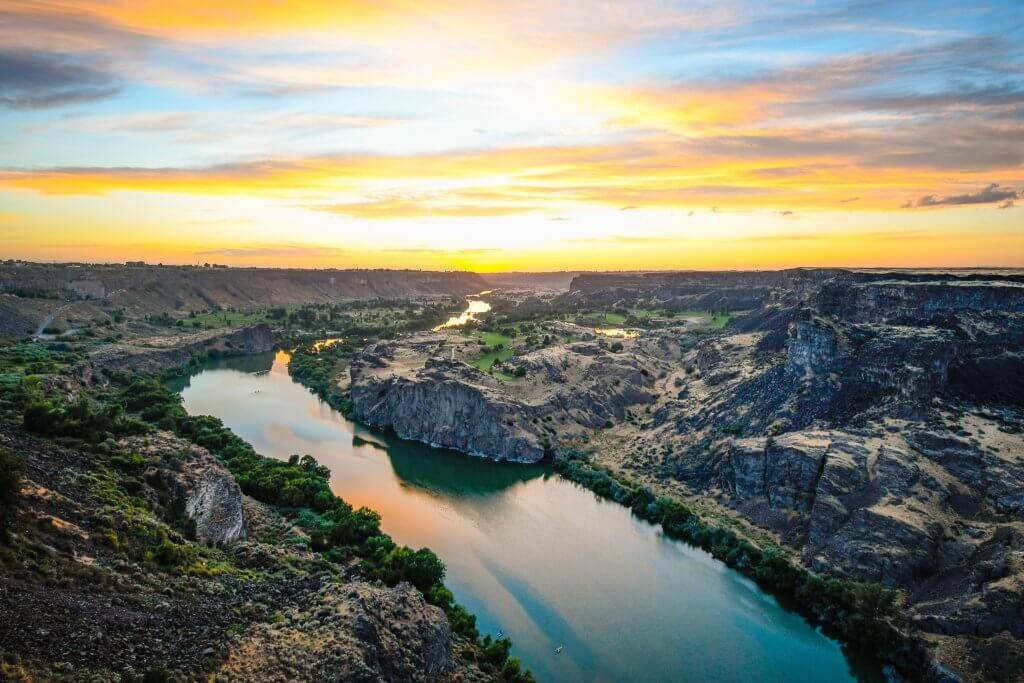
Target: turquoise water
x: 536, y: 556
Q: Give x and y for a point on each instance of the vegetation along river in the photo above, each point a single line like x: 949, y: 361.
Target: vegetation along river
x: 533, y: 555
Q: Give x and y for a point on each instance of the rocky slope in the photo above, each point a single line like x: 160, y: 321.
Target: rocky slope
x: 86, y: 592
x: 351, y: 632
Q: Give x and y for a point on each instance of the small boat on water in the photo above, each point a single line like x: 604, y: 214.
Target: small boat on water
x: 558, y: 650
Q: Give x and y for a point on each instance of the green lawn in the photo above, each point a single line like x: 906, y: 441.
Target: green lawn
x: 493, y: 338
x: 612, y: 318
x: 718, y: 320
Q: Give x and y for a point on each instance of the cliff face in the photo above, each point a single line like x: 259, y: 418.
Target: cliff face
x: 904, y: 511
x: 161, y: 354
x: 445, y: 405
x: 871, y: 421
x: 902, y: 301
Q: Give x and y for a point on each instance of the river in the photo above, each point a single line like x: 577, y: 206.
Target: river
x: 532, y: 554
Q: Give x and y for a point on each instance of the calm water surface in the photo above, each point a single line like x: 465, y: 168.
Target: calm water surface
x: 532, y: 554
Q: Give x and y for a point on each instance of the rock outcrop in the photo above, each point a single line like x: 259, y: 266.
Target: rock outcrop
x: 352, y: 632
x: 208, y: 493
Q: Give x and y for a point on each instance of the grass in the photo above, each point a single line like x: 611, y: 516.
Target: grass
x: 717, y: 321
x: 614, y: 318
x: 492, y: 340
x: 216, y: 319
x: 710, y: 321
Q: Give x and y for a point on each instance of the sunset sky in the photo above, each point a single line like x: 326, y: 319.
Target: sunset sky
x: 513, y: 135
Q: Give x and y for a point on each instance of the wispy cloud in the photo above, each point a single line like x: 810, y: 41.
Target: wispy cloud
x: 288, y: 251
x: 991, y: 194
x: 41, y: 80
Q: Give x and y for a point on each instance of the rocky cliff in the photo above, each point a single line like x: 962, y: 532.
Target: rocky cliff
x: 202, y: 485
x: 446, y: 405
x: 153, y: 355
x: 870, y: 421
x: 412, y: 388
x: 100, y: 580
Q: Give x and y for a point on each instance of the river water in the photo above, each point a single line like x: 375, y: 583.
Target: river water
x: 532, y: 554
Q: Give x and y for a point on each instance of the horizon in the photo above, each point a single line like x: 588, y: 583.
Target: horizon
x: 498, y: 137
x: 574, y: 271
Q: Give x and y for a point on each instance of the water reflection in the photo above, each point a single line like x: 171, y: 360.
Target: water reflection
x: 532, y: 554
x: 473, y: 307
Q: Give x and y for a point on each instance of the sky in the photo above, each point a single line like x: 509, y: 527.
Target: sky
x: 485, y: 135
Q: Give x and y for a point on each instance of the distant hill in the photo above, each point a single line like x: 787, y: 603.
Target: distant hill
x: 557, y: 280
x: 154, y: 289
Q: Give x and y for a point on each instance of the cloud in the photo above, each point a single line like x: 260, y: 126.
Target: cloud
x: 623, y: 239
x: 989, y: 195
x: 422, y: 207
x: 40, y: 80
x: 502, y: 181
x: 276, y: 250
x: 480, y: 251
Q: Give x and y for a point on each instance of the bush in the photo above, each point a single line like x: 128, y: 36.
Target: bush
x: 12, y: 472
